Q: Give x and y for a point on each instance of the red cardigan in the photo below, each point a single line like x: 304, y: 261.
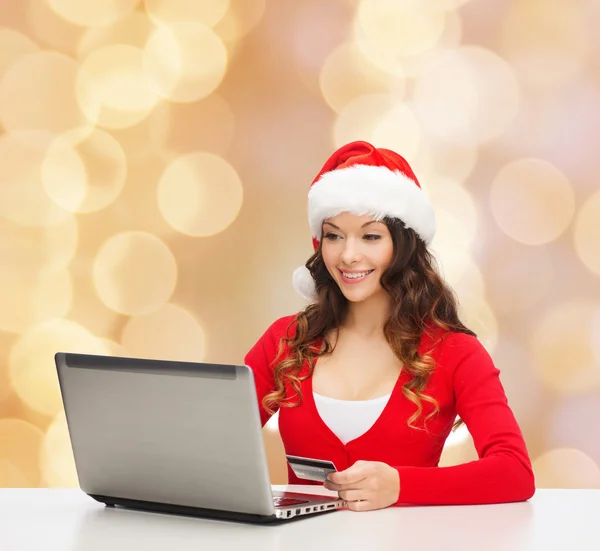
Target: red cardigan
x: 464, y: 382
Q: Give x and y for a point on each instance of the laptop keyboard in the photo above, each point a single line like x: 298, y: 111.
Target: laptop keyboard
x: 287, y: 501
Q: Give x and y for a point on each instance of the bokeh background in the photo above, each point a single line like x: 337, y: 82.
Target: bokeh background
x: 155, y: 158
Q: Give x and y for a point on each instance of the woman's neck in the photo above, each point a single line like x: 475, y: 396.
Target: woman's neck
x: 368, y: 317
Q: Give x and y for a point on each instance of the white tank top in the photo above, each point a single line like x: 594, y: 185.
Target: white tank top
x: 349, y: 419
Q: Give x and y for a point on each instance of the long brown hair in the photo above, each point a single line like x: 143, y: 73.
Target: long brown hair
x: 420, y: 298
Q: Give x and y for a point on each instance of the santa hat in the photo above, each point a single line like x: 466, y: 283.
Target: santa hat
x: 362, y: 179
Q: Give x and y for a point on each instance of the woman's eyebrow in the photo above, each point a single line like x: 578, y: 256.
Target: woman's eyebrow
x: 364, y: 225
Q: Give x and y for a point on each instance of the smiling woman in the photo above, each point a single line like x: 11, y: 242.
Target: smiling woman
x: 374, y: 372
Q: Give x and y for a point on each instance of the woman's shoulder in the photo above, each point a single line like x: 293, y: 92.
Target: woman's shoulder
x: 284, y: 326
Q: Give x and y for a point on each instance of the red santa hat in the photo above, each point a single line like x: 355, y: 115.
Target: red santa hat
x: 361, y: 179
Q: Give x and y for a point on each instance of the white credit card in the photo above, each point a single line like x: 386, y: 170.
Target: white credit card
x: 310, y: 469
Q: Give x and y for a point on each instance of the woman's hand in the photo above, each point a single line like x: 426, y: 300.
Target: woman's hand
x: 366, y: 486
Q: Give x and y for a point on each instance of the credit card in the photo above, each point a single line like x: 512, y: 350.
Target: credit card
x: 310, y: 469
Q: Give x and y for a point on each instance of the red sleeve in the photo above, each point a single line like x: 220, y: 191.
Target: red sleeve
x: 503, y: 471
x: 261, y: 357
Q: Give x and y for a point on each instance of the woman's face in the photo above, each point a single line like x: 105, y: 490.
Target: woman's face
x: 356, y: 251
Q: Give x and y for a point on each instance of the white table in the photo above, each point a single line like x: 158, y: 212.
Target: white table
x: 68, y: 520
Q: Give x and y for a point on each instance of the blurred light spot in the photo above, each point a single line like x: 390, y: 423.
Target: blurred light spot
x: 371, y: 117
x: 457, y: 87
x: 49, y: 29
x: 208, y: 12
x: 347, y: 74
x: 595, y: 335
x: 450, y: 160
x: 458, y: 448
x: 84, y: 171
x: 241, y: 17
x: 29, y: 299
x: 532, y: 201
x: 476, y: 313
x: 133, y: 30
x: 96, y: 13
x: 402, y: 27
x: 30, y: 249
x: 21, y: 107
x: 112, y: 88
x: 115, y: 349
x: 398, y: 130
x: 572, y: 422
x: 562, y: 349
x: 22, y: 197
x: 169, y: 333
x: 586, y: 233
x: 56, y: 457
x: 517, y: 276
x: 394, y: 63
x: 546, y: 41
x: 185, y: 61
x: 456, y: 226
x: 14, y: 45
x: 170, y: 128
x: 523, y: 389
x: 11, y: 476
x: 31, y: 361
x: 134, y: 273
x: 20, y: 444
x: 566, y: 468
x: 200, y: 194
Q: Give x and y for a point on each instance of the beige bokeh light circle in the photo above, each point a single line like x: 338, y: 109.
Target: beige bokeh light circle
x: 381, y: 120
x: 22, y: 196
x: 92, y: 14
x: 84, y: 170
x: 586, y: 233
x: 185, y: 61
x: 29, y: 299
x: 31, y: 361
x: 566, y: 468
x: 200, y: 194
x: 241, y: 17
x: 112, y: 88
x: 347, y: 74
x: 133, y: 30
x: 48, y: 73
x: 547, y: 42
x: 532, y: 201
x: 14, y: 45
x: 398, y: 130
x: 56, y: 455
x: 169, y: 333
x: 399, y: 26
x: 12, y: 476
x: 134, y: 273
x: 208, y: 12
x: 562, y: 349
x: 20, y: 444
x: 467, y: 96
x: 477, y: 314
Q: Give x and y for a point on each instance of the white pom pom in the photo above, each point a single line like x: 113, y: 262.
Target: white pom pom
x: 304, y: 283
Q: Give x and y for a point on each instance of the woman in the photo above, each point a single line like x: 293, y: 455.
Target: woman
x: 374, y: 372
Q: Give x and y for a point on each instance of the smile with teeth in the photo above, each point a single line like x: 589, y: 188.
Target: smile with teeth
x: 356, y: 275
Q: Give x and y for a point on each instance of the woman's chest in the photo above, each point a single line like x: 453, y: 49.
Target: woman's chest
x: 355, y: 371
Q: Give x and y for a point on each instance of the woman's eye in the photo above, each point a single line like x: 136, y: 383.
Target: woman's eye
x: 372, y: 237
x: 331, y: 236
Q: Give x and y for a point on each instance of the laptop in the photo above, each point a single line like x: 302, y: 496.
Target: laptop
x: 174, y: 437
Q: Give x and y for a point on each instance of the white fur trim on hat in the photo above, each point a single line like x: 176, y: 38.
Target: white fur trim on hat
x: 304, y: 283
x: 374, y: 190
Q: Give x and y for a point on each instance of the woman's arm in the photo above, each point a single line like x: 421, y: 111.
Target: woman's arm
x: 503, y: 472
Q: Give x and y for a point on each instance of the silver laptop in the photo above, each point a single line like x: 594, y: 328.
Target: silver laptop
x: 173, y: 437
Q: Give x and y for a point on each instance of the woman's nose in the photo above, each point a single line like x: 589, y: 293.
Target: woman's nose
x: 350, y: 254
